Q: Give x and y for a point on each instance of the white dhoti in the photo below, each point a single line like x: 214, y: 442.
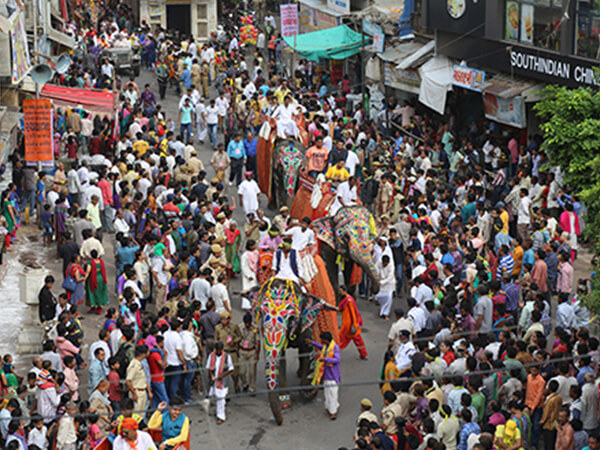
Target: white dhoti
x: 287, y: 129
x: 220, y: 396
x: 309, y: 268
x: 330, y: 390
x: 384, y: 298
x: 202, y: 129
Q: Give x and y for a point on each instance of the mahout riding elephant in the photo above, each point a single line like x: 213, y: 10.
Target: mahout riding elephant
x: 349, y: 234
x: 285, y: 315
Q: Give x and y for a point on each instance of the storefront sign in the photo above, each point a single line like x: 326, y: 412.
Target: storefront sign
x: 289, y: 20
x: 370, y: 28
x: 304, y: 18
x: 533, y: 63
x: 457, y: 16
x: 405, y: 80
x: 325, y: 21
x: 468, y: 78
x: 21, y: 64
x: 508, y: 111
x: 521, y: 61
x: 342, y: 6
x: 38, y: 129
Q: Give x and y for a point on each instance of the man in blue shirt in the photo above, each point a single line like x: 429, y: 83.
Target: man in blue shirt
x: 185, y: 120
x: 250, y: 145
x: 237, y: 154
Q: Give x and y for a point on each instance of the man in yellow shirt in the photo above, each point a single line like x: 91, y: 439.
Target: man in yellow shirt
x: 175, y: 426
x: 140, y: 146
x: 337, y: 173
x: 282, y: 91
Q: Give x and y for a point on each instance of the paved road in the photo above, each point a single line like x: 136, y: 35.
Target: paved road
x: 250, y: 424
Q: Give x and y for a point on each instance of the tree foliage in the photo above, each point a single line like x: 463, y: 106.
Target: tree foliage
x: 571, y: 128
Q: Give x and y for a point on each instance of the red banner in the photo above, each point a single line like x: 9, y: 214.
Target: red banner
x: 38, y: 129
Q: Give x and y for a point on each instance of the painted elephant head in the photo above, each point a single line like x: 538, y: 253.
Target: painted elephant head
x: 289, y: 161
x: 351, y: 234
x: 285, y: 314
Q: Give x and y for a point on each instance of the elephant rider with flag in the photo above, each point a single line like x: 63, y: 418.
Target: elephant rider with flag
x: 327, y: 371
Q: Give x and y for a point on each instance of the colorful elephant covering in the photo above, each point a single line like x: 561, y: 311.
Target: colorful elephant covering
x: 356, y: 224
x: 291, y: 159
x: 278, y: 304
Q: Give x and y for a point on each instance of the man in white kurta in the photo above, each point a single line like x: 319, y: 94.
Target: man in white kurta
x: 201, y: 120
x: 249, y: 194
x: 219, y: 365
x: 388, y: 285
x: 284, y: 114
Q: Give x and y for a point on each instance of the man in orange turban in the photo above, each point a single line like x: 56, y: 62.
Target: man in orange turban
x: 131, y: 438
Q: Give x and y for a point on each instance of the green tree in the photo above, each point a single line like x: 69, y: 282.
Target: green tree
x: 571, y: 128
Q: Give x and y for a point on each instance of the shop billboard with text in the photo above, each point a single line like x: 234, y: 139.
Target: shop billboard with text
x: 38, y: 129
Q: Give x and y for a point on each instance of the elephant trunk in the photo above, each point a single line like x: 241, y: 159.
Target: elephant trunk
x: 272, y: 364
x: 369, y: 268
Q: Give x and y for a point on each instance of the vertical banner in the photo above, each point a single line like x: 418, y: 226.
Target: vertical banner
x: 289, y: 20
x: 38, y: 129
x: 21, y: 64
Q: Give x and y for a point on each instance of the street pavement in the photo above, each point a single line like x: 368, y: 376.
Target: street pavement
x: 249, y: 424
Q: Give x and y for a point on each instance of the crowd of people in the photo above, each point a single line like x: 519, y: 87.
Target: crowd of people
x: 476, y: 238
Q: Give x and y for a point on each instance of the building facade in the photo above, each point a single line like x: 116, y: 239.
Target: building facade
x: 197, y: 18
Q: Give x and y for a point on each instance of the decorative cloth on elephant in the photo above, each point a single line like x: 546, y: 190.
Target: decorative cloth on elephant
x: 320, y: 287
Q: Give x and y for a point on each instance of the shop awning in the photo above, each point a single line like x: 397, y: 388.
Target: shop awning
x: 90, y: 99
x: 334, y: 43
x: 436, y: 81
x: 503, y: 87
x: 417, y: 57
x: 397, y: 53
x: 61, y: 38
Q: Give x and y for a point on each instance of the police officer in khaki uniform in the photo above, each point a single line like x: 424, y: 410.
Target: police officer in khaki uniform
x: 231, y: 336
x: 249, y: 353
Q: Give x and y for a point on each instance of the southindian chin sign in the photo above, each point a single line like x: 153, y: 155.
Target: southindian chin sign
x: 565, y: 70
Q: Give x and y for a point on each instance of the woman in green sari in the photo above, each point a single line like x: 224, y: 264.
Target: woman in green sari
x: 233, y: 240
x: 10, y: 214
x: 96, y: 291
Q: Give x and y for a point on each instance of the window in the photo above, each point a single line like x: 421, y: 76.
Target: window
x: 202, y: 21
x: 588, y: 28
x: 534, y: 22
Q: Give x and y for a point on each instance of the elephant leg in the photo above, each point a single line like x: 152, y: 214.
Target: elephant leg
x: 348, y: 268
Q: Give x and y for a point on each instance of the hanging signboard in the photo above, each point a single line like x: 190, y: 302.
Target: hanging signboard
x: 21, y: 64
x: 468, y: 78
x: 38, y: 129
x: 342, y: 6
x: 378, y: 36
x: 289, y: 19
x: 508, y: 111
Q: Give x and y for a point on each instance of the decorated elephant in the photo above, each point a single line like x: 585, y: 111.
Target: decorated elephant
x: 279, y: 162
x: 286, y: 315
x: 347, y: 240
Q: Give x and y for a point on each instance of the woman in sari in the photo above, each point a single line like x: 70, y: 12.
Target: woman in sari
x: 61, y: 212
x: 10, y: 214
x: 233, y: 240
x: 100, y: 403
x: 77, y: 272
x: 389, y: 372
x: 96, y: 289
x: 111, y: 319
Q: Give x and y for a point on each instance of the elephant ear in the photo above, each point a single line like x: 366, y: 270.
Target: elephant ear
x: 252, y: 296
x: 324, y: 232
x: 312, y: 307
